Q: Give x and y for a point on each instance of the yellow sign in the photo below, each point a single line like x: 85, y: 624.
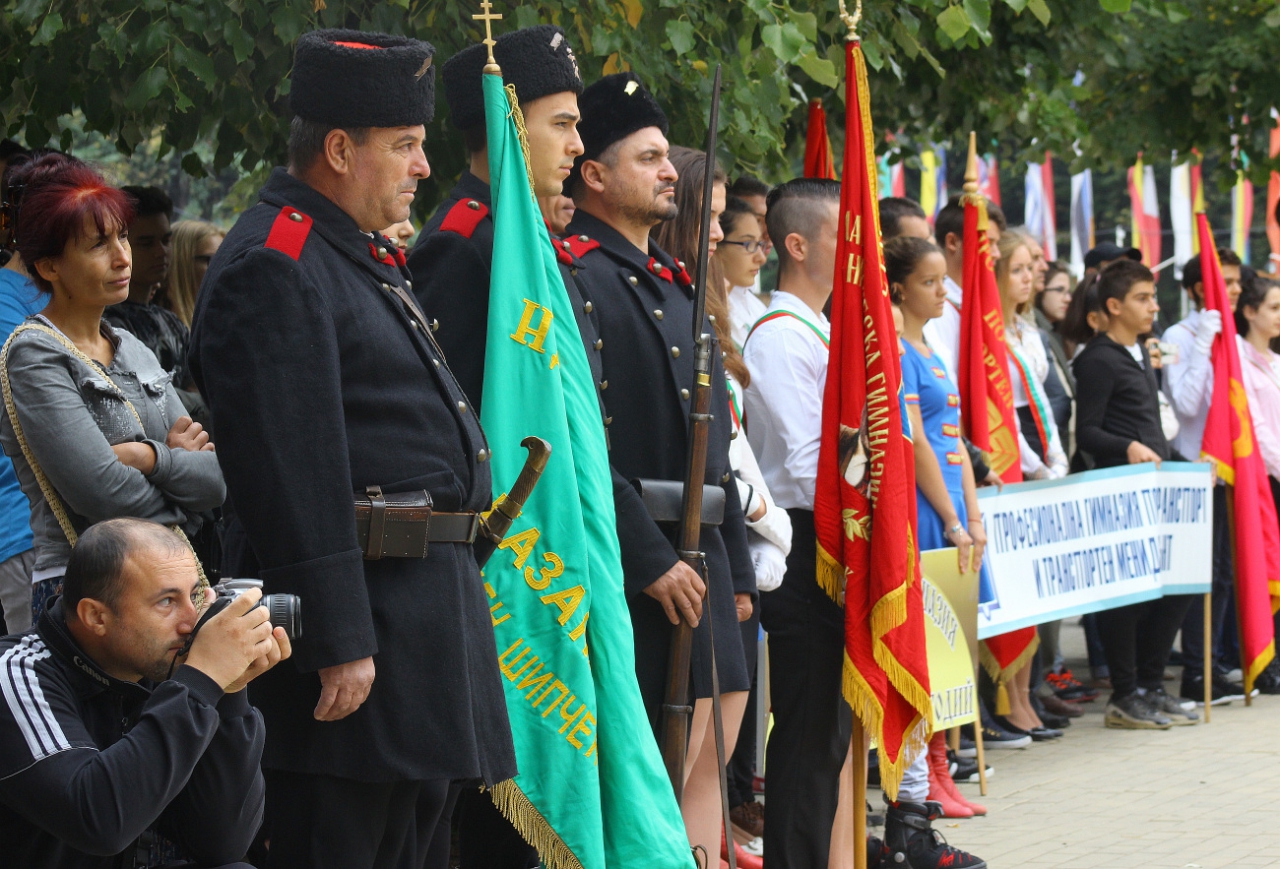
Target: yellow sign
x: 951, y: 615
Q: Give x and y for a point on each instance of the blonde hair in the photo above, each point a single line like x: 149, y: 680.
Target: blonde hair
x: 1010, y: 241
x: 182, y: 286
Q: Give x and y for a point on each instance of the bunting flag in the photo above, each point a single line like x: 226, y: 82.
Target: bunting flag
x: 1241, y: 214
x: 986, y: 411
x: 1082, y: 240
x: 1229, y: 443
x: 929, y: 185
x: 818, y: 161
x: 865, y: 500
x: 989, y: 178
x: 1146, y: 212
x: 1273, y: 199
x: 890, y: 178
x: 590, y: 794
x: 1181, y: 215
x: 1197, y: 200
x: 1049, y: 236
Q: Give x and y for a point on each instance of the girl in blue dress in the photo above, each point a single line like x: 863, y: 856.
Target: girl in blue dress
x: 946, y: 497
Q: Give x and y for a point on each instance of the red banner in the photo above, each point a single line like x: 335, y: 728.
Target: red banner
x: 986, y: 395
x: 1229, y: 443
x: 865, y: 498
x: 818, y: 160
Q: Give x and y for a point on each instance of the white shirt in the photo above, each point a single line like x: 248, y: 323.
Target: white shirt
x: 1025, y: 338
x: 943, y: 333
x: 788, y: 363
x: 774, y: 526
x: 1189, y: 385
x: 745, y: 308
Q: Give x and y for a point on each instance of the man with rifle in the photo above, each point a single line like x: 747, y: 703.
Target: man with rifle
x: 644, y: 302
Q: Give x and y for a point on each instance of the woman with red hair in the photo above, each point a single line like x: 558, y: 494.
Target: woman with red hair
x: 92, y: 423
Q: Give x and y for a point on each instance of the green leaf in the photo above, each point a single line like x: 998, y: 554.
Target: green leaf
x: 819, y: 69
x: 1016, y: 5
x: 786, y: 41
x: 1040, y: 10
x: 1273, y: 18
x: 979, y: 12
x: 908, y: 42
x: 49, y: 28
x: 954, y: 22
x: 1117, y: 6
x: 807, y: 24
x: 200, y: 64
x: 681, y: 35
x: 146, y: 88
x: 193, y: 165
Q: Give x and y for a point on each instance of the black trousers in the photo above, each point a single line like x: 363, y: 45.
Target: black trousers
x: 742, y: 763
x: 326, y: 822
x: 812, y: 724
x: 1193, y: 638
x: 1137, y: 640
x: 486, y: 840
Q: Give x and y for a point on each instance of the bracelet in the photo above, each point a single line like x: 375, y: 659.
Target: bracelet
x: 954, y: 528
x: 976, y: 519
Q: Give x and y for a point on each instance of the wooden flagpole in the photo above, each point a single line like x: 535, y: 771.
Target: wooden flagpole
x: 858, y: 766
x: 1208, y: 651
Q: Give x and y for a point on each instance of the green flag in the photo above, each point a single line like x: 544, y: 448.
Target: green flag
x: 592, y: 791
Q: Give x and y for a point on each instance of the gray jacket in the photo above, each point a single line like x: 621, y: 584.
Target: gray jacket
x: 71, y: 417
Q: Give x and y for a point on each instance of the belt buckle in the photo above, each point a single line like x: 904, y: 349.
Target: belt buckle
x: 474, y: 529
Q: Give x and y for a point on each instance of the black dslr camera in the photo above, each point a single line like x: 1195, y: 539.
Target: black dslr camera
x: 285, y: 609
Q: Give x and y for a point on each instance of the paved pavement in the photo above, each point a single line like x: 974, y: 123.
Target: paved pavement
x: 1199, y: 797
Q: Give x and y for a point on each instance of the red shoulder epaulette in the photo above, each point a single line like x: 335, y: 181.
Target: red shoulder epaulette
x: 289, y: 232
x: 464, y: 217
x: 580, y: 245
x: 561, y: 247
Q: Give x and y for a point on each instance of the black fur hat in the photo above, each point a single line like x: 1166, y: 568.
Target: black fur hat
x: 614, y: 108
x: 350, y: 78
x: 537, y: 60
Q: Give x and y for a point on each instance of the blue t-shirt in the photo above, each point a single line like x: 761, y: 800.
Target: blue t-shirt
x: 19, y: 299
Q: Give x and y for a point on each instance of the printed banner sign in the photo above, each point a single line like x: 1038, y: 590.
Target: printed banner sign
x: 951, y: 614
x: 1094, y: 541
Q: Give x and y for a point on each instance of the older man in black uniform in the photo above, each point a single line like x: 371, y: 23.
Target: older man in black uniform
x: 643, y: 300
x: 324, y: 381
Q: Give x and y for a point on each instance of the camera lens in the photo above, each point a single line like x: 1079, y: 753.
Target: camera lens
x: 286, y: 612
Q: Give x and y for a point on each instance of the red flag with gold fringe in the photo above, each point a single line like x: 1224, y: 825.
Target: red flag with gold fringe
x: 818, y: 160
x: 1230, y: 444
x: 986, y: 399
x: 865, y: 499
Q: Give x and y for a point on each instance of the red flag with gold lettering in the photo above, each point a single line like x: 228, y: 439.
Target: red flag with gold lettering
x: 818, y: 160
x: 1229, y: 442
x: 865, y: 498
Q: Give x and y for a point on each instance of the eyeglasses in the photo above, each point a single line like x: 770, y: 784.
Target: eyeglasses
x: 751, y: 246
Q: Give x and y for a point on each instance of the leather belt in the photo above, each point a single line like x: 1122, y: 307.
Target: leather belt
x: 402, y: 524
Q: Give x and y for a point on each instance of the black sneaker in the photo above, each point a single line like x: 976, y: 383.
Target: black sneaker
x: 1067, y: 687
x: 1268, y: 681
x: 876, y: 852
x: 1048, y: 719
x: 965, y: 770
x: 1169, y: 707
x: 968, y: 748
x: 1133, y: 712
x: 1223, y: 691
x: 911, y: 842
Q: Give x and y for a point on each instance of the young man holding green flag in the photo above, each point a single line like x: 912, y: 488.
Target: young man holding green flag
x: 518, y: 330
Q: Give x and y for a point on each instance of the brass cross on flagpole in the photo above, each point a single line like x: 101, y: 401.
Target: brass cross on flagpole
x: 488, y: 16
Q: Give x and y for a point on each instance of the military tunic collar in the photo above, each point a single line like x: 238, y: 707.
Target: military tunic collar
x: 617, y: 246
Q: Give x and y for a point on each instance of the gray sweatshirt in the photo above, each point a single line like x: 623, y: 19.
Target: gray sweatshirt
x: 71, y: 417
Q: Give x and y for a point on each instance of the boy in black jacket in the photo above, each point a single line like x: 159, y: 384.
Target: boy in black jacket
x: 103, y: 743
x: 1118, y: 422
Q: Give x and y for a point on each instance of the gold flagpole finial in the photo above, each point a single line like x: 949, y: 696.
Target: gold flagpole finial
x: 488, y: 16
x: 851, y: 21
x: 971, y: 167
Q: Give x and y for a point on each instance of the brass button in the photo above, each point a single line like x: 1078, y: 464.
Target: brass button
x: 608, y: 420
x: 565, y: 245
x: 583, y: 238
x: 409, y: 284
x: 656, y: 267
x: 657, y: 312
x: 295, y: 216
x: 482, y: 455
x: 599, y: 343
x: 675, y: 352
x: 435, y: 325
x: 733, y: 435
x: 604, y: 384
x: 684, y: 393
x: 634, y: 280
x: 462, y: 407
x: 417, y: 325
x: 588, y: 308
x: 387, y: 287
x: 726, y: 478
x: 711, y: 317
x: 436, y: 362
x: 382, y: 253
x: 473, y: 205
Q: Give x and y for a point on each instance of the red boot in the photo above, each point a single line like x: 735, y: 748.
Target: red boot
x: 940, y: 770
x: 951, y: 807
x: 744, y: 860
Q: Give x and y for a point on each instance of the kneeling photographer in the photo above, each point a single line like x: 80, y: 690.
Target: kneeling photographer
x: 108, y: 736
